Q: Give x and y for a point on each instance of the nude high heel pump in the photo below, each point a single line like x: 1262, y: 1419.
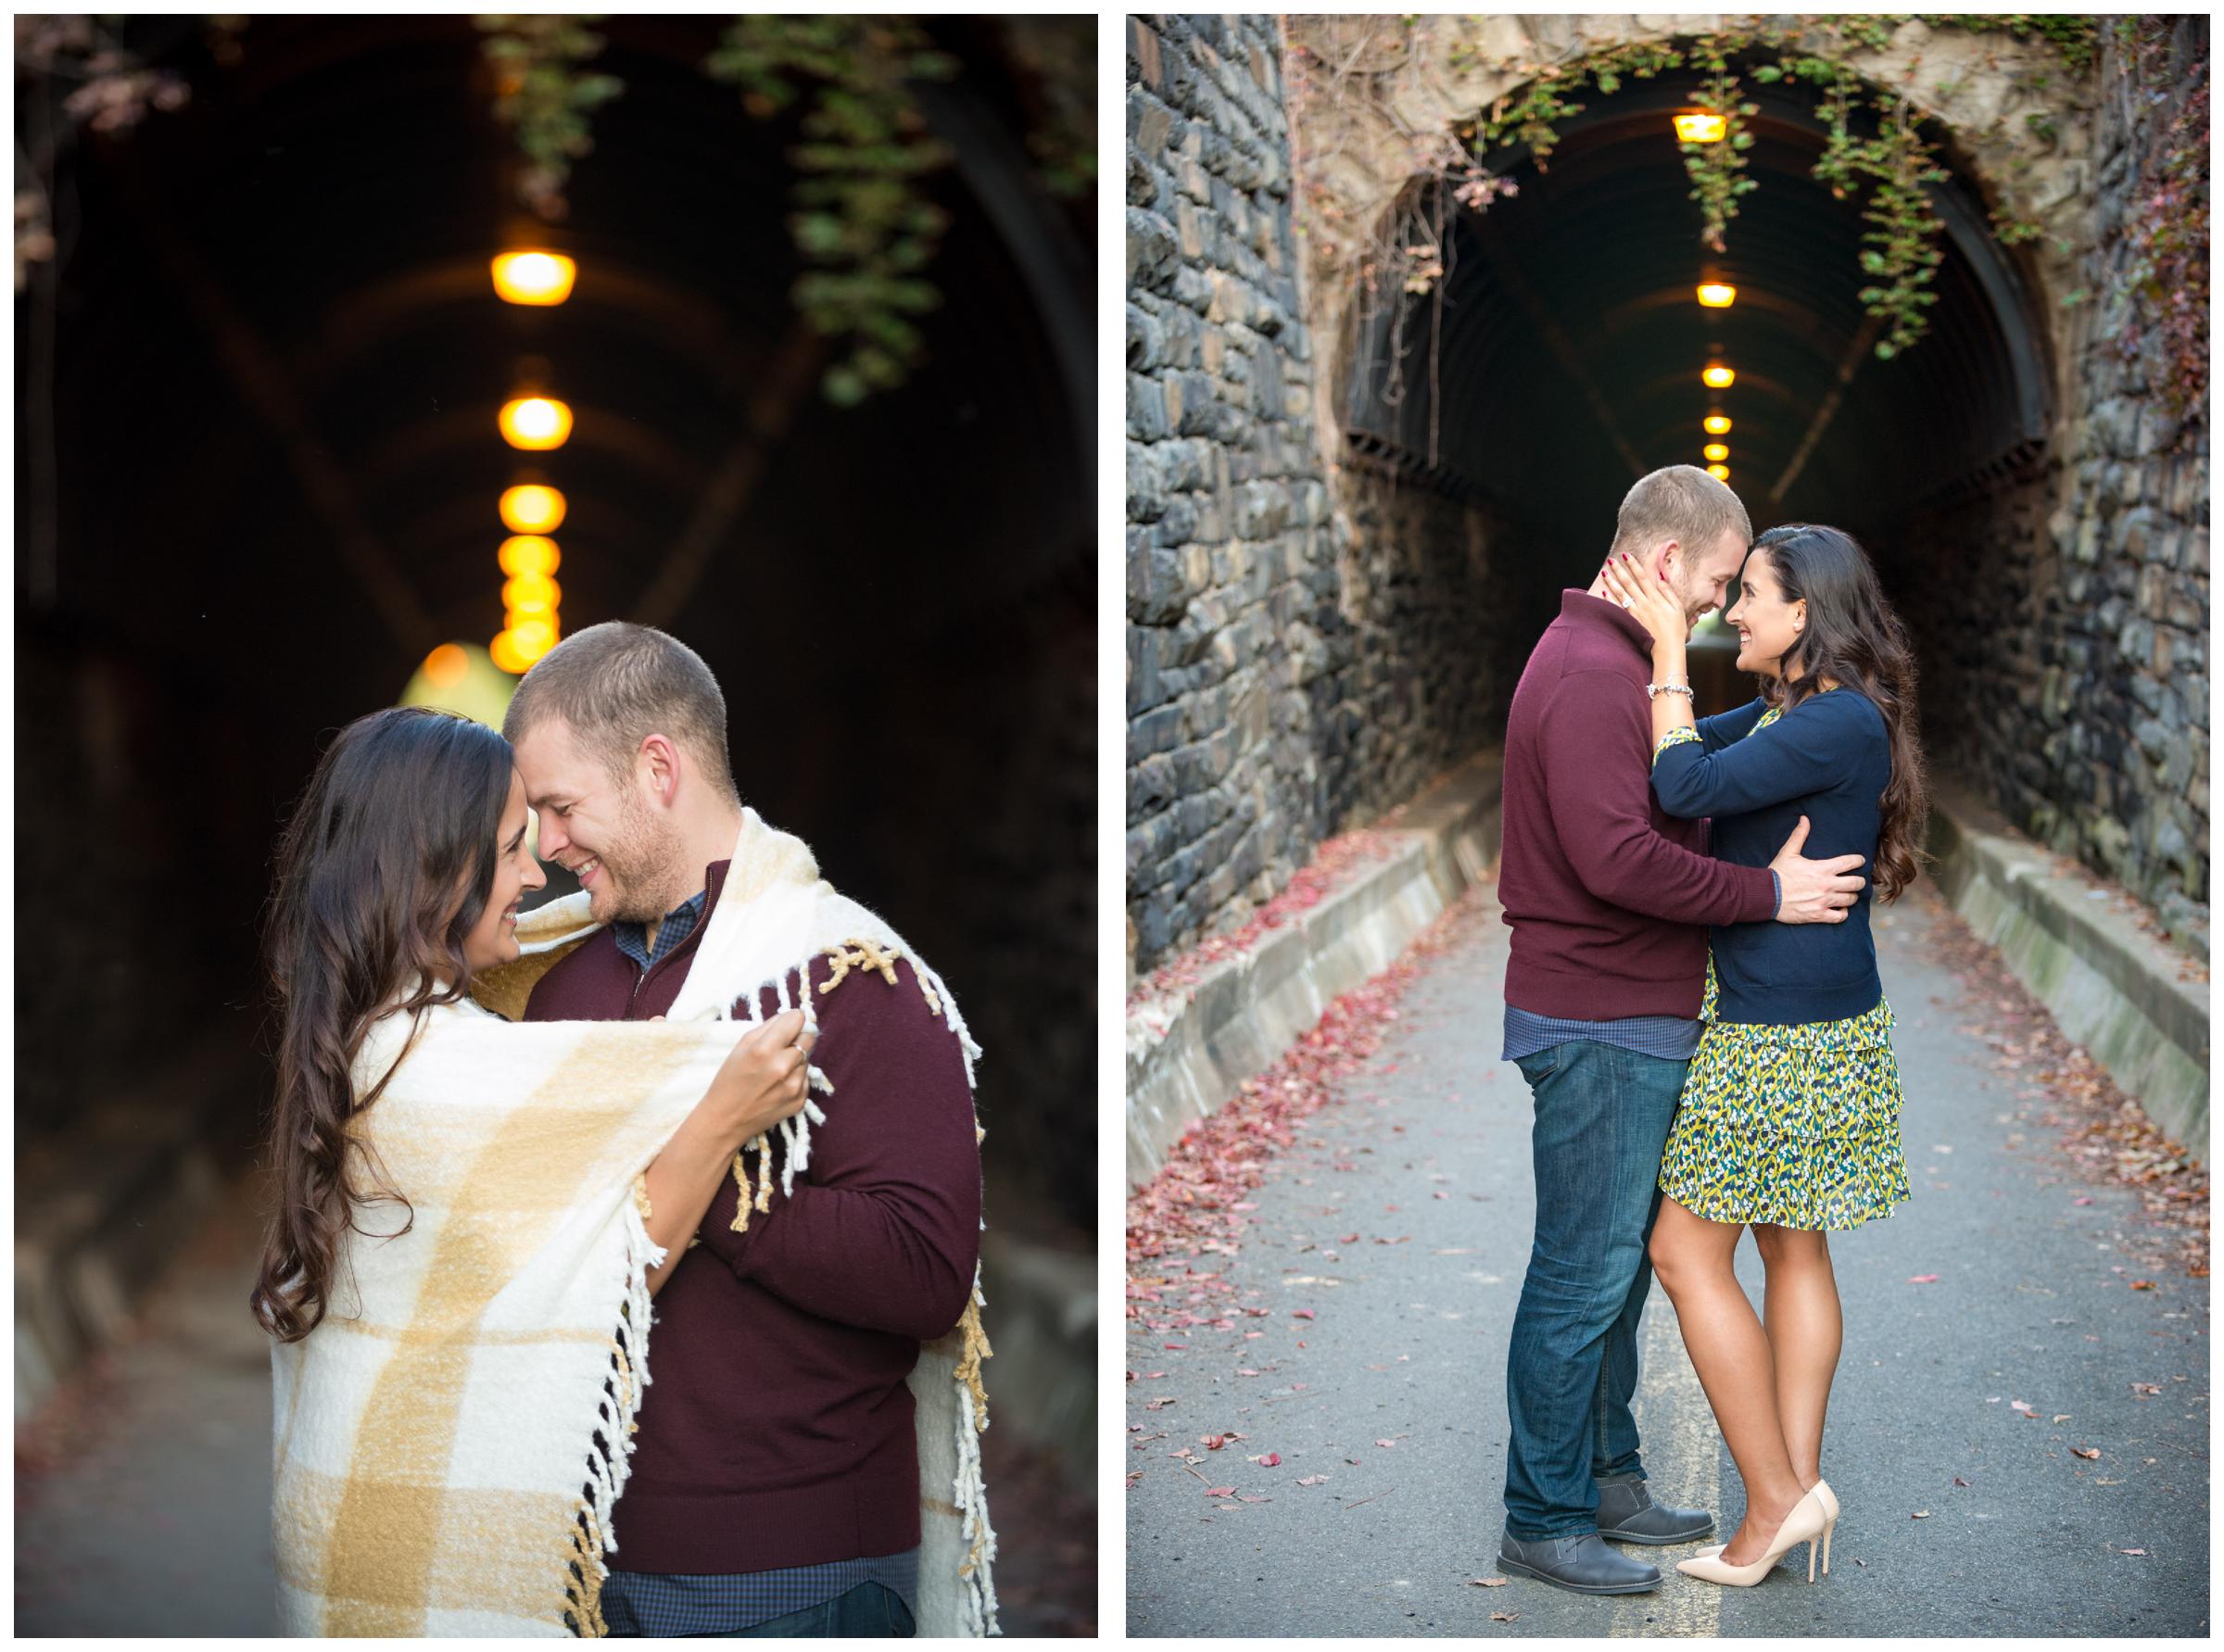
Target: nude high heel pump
x: 1804, y: 1524
x: 1824, y: 1495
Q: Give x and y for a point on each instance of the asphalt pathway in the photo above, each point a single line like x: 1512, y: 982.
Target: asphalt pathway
x: 1401, y: 1222
x: 142, y: 1492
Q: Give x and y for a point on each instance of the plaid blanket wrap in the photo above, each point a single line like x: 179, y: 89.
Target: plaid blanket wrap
x: 433, y: 1435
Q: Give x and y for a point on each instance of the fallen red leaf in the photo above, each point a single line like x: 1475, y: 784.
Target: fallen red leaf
x: 1489, y: 1582
x: 2083, y: 1451
x: 1923, y: 1279
x: 1388, y: 1444
x: 1220, y: 1491
x: 1313, y: 1479
x: 2130, y: 1551
x: 1301, y: 1313
x: 2143, y: 1284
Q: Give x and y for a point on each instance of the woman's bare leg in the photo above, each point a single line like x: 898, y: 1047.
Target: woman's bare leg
x: 1692, y: 1258
x: 1805, y: 1332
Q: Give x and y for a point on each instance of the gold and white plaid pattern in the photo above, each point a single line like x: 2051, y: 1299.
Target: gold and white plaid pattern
x: 433, y: 1434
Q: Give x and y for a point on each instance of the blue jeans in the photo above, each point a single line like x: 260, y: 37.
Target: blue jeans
x: 1602, y: 1118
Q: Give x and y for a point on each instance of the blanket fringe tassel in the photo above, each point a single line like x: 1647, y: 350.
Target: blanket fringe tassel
x: 609, y: 1463
x: 969, y: 1492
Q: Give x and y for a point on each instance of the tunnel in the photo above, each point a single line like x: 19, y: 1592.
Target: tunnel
x: 1560, y: 357
x: 258, y: 468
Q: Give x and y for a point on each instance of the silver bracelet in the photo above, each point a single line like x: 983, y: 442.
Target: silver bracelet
x: 1654, y: 690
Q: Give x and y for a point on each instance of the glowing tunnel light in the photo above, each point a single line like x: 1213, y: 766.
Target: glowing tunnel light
x: 534, y: 594
x: 533, y: 277
x: 532, y: 509
x: 533, y: 635
x: 1720, y: 473
x: 1717, y: 376
x: 536, y: 424
x: 1717, y: 425
x: 529, y: 553
x: 1697, y: 126
x: 1717, y: 295
x: 1718, y: 451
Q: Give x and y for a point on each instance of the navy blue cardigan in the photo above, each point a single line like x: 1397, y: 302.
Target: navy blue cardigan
x: 1828, y: 758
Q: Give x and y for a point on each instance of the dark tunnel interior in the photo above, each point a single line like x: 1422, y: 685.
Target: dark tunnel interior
x: 260, y: 485
x: 1568, y: 343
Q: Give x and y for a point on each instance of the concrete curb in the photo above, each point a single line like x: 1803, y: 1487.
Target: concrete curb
x: 2107, y: 983
x: 1042, y: 1320
x: 102, y: 1210
x: 1188, y: 1053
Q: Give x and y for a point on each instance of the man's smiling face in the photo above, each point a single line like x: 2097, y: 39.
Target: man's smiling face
x: 597, y: 826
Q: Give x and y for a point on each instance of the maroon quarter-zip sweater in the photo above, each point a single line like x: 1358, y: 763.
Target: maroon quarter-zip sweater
x: 1608, y: 895
x: 777, y: 1429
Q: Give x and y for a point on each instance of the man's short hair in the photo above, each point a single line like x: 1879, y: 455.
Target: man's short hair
x: 1680, y: 502
x: 617, y: 682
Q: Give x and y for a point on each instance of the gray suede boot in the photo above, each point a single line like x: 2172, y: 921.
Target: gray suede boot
x: 1579, y: 1562
x: 1628, y: 1514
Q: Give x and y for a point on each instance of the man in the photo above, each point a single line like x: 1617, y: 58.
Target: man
x: 774, y: 1484
x: 1608, y: 898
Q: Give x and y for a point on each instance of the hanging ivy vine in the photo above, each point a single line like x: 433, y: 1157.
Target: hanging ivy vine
x: 543, y: 94
x: 1875, y: 148
x: 863, y: 220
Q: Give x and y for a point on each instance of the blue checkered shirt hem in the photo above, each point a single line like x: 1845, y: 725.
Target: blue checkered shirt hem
x: 1669, y: 1037
x: 660, y: 1603
x: 677, y: 925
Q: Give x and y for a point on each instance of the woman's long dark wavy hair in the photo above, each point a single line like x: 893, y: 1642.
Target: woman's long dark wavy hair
x: 400, y: 818
x: 1853, y: 637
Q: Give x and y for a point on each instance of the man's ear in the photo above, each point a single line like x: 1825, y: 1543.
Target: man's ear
x: 661, y: 761
x: 1664, y: 559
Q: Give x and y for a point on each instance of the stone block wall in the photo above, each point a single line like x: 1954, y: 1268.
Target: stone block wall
x: 1441, y: 604
x: 2064, y: 620
x: 1230, y: 576
x: 1295, y: 663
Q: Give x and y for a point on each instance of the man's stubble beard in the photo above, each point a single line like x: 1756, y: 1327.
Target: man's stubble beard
x: 1694, y: 609
x: 646, y: 871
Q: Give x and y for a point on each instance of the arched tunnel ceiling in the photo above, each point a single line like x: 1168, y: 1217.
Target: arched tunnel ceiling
x: 336, y: 192
x: 1572, y: 341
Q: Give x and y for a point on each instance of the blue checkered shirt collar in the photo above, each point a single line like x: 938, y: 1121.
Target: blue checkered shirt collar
x: 677, y: 925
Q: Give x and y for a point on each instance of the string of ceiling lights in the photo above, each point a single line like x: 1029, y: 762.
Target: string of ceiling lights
x: 531, y: 421
x: 1704, y: 126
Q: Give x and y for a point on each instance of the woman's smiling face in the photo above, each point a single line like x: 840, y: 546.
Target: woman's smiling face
x: 1765, y: 624
x: 493, y: 939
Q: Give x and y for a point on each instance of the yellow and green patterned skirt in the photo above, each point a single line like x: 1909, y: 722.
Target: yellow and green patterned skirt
x: 1794, y: 1126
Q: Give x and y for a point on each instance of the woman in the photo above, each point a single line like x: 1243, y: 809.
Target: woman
x: 558, y: 1176
x: 1789, y: 1118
